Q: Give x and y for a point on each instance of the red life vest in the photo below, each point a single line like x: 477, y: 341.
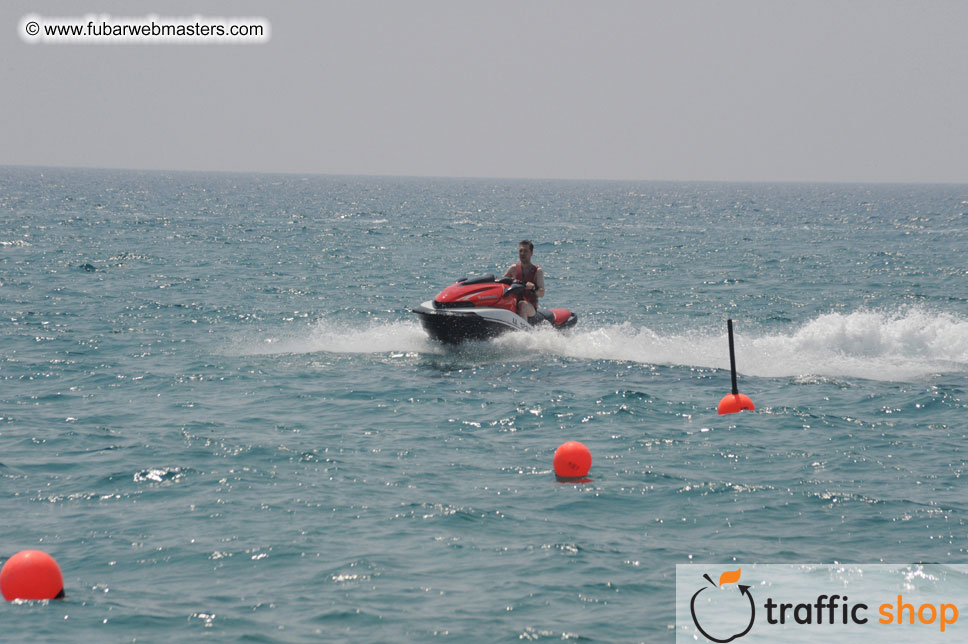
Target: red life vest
x: 521, y: 276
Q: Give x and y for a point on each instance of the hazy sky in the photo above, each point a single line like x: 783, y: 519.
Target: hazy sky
x: 806, y: 90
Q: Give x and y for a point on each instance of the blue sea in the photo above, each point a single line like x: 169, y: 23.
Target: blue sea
x: 220, y: 417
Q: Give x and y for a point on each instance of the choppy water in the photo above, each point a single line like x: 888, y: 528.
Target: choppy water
x: 218, y: 415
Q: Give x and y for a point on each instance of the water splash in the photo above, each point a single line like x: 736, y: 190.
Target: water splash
x: 876, y: 345
x: 866, y: 344
x: 329, y: 337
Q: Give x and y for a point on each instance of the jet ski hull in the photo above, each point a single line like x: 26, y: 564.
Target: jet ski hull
x: 456, y: 325
x: 453, y: 326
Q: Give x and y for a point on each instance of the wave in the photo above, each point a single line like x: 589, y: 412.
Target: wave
x: 875, y: 345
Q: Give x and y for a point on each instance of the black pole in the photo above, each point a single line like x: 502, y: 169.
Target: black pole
x: 732, y: 356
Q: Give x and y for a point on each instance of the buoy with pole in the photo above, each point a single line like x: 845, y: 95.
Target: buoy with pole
x: 733, y: 402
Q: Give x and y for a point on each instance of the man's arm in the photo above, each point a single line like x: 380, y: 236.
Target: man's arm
x: 539, y: 289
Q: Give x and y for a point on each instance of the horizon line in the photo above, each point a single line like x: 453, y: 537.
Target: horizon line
x: 489, y: 178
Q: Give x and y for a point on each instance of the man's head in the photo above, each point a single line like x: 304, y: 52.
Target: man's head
x: 525, y: 250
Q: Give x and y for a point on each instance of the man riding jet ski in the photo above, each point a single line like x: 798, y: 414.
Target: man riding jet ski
x: 481, y: 307
x: 533, y: 279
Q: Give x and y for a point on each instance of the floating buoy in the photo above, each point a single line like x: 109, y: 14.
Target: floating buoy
x: 572, y: 460
x: 31, y: 574
x: 732, y: 403
x: 735, y: 401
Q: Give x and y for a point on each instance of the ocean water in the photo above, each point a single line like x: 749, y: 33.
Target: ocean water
x: 219, y: 416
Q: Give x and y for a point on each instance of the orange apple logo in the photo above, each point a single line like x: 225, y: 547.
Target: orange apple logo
x: 728, y: 577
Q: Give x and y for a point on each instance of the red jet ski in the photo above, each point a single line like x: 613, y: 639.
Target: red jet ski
x: 477, y: 308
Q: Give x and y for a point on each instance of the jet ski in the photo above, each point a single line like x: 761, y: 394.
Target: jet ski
x: 478, y: 308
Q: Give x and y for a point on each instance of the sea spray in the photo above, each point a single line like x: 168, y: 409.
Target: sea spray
x: 870, y: 344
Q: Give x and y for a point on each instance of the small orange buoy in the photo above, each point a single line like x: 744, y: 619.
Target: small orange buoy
x: 732, y: 403
x: 572, y: 460
x: 31, y: 574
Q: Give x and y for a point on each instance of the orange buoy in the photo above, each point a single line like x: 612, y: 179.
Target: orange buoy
x: 733, y: 402
x: 572, y: 460
x: 31, y: 574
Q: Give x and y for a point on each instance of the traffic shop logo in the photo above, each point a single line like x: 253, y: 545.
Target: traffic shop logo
x: 742, y: 603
